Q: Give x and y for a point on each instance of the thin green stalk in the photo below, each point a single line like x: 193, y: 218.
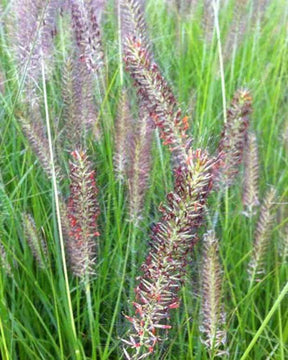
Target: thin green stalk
x: 4, y: 349
x: 118, y: 301
x: 281, y: 341
x: 221, y: 63
x: 120, y: 52
x: 91, y: 316
x: 56, y: 199
x: 281, y: 296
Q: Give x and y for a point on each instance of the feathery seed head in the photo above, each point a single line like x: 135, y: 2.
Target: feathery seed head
x: 4, y: 263
x: 213, y: 316
x: 35, y: 240
x: 87, y: 34
x: 83, y: 211
x: 138, y: 174
x: 123, y: 134
x: 234, y: 136
x: 79, y: 105
x: 158, y: 98
x: 251, y: 176
x: 262, y: 236
x: 133, y: 22
x: 34, y: 132
x: 171, y: 239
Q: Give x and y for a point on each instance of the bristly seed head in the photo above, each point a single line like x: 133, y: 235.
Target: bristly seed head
x: 213, y: 316
x: 171, y: 239
x: 35, y: 240
x: 251, y: 176
x: 234, y: 137
x: 262, y: 236
x: 83, y: 211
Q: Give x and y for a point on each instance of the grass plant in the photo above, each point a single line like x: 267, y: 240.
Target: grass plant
x: 61, y: 84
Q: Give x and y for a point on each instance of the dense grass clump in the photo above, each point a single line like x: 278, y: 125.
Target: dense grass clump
x: 143, y: 179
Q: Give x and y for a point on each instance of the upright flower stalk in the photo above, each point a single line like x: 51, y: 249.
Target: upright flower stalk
x: 213, y: 316
x: 35, y: 23
x: 251, y: 176
x: 4, y: 263
x: 262, y: 236
x: 234, y: 136
x: 87, y: 33
x: 133, y: 21
x: 158, y: 99
x: 79, y: 104
x: 153, y: 90
x: 171, y: 239
x: 138, y: 174
x: 82, y: 213
x: 123, y: 135
x: 34, y: 132
x: 35, y: 241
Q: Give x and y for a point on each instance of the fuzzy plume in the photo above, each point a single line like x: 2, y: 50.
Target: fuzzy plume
x: 123, y: 134
x: 251, y: 176
x: 153, y: 90
x: 35, y: 134
x: 158, y: 98
x: 208, y: 20
x: 234, y: 136
x: 164, y: 269
x: 4, y: 263
x: 79, y: 105
x: 35, y: 29
x: 87, y: 33
x: 262, y: 236
x: 83, y: 211
x: 133, y: 21
x: 140, y: 166
x: 213, y: 316
x: 34, y: 240
x: 283, y: 245
x: 238, y: 27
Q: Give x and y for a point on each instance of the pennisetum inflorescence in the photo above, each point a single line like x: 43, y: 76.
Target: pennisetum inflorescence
x: 212, y: 312
x: 82, y: 213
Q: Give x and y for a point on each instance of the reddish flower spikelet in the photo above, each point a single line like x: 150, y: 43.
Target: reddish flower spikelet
x: 87, y: 33
x: 153, y: 90
x: 82, y: 213
x: 171, y: 239
x: 133, y: 21
x: 234, y: 137
x: 158, y: 98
